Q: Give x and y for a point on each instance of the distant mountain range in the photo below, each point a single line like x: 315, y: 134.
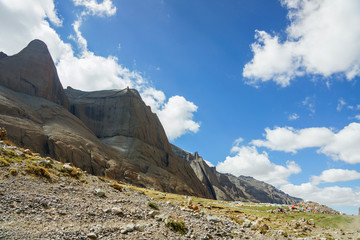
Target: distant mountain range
x: 109, y: 133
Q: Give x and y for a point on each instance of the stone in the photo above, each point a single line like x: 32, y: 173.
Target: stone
x: 99, y: 192
x: 246, y: 223
x: 67, y: 167
x: 117, y: 210
x: 92, y: 235
x: 213, y: 218
x: 130, y: 227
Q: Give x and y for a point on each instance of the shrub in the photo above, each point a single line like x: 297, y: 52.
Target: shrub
x: 153, y: 205
x: 13, y: 172
x: 38, y: 171
x: 176, y: 225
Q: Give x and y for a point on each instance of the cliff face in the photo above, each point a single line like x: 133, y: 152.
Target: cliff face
x: 121, y: 119
x: 112, y: 113
x: 32, y: 71
x: 228, y: 187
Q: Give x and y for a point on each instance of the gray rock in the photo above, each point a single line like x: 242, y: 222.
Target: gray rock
x: 99, y: 192
x: 213, y: 218
x: 130, y: 227
x: 117, y: 210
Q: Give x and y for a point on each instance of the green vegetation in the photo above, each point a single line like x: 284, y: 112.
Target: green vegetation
x: 176, y: 225
x: 116, y: 185
x: 153, y: 205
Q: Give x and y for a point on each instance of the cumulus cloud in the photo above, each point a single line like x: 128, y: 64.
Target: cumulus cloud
x: 106, y: 8
x: 288, y: 139
x: 24, y: 20
x: 331, y: 196
x: 246, y: 160
x: 342, y: 145
x: 176, y: 116
x: 336, y: 175
x: 314, y: 43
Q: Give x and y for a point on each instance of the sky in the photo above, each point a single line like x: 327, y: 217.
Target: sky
x: 268, y: 89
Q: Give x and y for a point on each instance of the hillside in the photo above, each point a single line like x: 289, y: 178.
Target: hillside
x: 41, y: 198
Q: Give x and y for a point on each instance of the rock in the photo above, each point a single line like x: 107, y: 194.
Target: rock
x: 67, y: 167
x: 92, y: 235
x: 32, y: 71
x: 213, y: 218
x: 117, y: 210
x: 99, y: 192
x: 27, y: 151
x: 246, y: 223
x: 130, y: 227
x: 153, y: 213
x: 195, y: 207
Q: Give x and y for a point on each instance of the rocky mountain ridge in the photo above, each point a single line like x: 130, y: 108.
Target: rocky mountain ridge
x: 229, y: 187
x: 108, y: 133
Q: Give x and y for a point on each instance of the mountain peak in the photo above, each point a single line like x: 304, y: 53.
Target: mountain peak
x: 32, y: 71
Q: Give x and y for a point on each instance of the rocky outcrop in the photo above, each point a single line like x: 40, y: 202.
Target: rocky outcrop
x: 49, y: 129
x: 112, y: 113
x: 32, y: 71
x: 228, y: 187
x: 121, y: 119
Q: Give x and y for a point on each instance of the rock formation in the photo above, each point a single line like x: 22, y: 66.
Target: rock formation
x: 32, y: 71
x: 121, y: 119
x: 228, y: 187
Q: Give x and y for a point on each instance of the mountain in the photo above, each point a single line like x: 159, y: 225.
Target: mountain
x: 228, y: 187
x: 129, y: 144
x: 109, y: 133
x: 121, y: 119
x: 32, y: 71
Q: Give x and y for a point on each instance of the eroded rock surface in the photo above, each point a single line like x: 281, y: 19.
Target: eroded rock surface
x: 32, y: 71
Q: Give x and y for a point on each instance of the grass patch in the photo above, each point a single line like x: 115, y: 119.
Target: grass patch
x: 116, y: 185
x: 153, y: 205
x: 38, y: 171
x: 176, y: 225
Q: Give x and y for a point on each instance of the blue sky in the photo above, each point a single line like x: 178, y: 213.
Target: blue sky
x: 263, y: 88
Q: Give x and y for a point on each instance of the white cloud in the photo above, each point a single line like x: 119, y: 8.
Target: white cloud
x: 309, y: 102
x: 106, y: 8
x: 357, y: 117
x: 176, y: 116
x: 330, y: 196
x: 24, y: 20
x: 341, y: 104
x: 209, y: 163
x: 288, y: 139
x: 336, y: 175
x: 293, y: 117
x: 246, y: 160
x: 343, y: 145
x: 314, y: 43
